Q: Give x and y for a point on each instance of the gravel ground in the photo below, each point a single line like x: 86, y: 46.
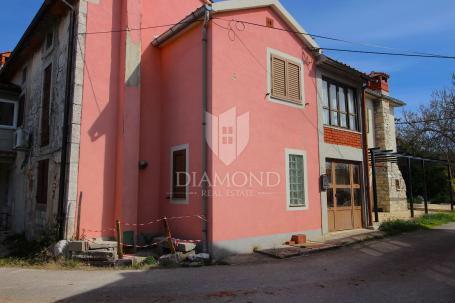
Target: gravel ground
x: 415, y: 267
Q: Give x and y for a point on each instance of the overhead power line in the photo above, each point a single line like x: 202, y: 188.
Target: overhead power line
x: 403, y: 53
x: 386, y: 53
x: 328, y: 37
x: 424, y: 121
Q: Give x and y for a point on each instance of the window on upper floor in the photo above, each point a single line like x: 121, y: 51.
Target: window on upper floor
x: 286, y: 79
x: 42, y: 182
x: 8, y: 114
x: 340, y: 105
x: 45, y: 106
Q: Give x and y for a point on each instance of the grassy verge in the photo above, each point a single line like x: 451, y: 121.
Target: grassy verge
x: 399, y: 226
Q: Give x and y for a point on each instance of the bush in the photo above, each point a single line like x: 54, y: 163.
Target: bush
x: 34, y: 251
x: 394, y: 227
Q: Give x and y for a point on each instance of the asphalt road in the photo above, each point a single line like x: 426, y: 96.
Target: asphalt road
x: 416, y: 267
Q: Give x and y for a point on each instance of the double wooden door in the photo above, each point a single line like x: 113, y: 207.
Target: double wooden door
x: 344, y: 197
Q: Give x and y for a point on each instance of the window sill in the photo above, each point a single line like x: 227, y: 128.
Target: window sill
x: 179, y: 201
x: 342, y: 129
x: 292, y: 103
x: 297, y: 207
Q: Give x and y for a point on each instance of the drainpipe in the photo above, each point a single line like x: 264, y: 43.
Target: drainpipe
x: 366, y: 170
x: 61, y: 214
x: 204, y: 131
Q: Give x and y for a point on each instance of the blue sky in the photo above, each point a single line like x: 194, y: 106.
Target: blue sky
x: 417, y: 25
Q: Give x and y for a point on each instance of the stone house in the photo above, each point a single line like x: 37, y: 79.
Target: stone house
x: 38, y: 68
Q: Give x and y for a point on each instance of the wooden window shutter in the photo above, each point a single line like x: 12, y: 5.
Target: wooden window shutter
x: 278, y: 77
x: 294, y: 82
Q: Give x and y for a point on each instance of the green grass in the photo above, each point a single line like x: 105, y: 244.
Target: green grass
x: 394, y: 227
x: 432, y: 220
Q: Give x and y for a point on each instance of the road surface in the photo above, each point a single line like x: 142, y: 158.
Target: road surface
x: 415, y: 267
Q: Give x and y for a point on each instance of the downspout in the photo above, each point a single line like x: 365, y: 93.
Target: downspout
x: 61, y: 214
x: 204, y: 193
x: 366, y: 169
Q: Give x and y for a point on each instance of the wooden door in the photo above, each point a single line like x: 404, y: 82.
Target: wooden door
x: 344, y: 197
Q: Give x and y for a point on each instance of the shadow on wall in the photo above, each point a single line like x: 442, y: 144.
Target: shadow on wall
x: 105, y: 126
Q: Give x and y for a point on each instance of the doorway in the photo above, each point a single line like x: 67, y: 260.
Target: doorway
x: 344, y: 196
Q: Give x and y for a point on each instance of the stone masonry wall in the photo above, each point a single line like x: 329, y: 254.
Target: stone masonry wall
x: 28, y: 216
x: 391, y: 187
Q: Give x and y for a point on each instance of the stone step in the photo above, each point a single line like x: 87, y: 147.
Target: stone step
x: 96, y: 255
x: 102, y: 245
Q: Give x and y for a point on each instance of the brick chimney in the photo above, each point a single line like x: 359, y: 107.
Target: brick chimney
x: 4, y: 57
x: 379, y: 82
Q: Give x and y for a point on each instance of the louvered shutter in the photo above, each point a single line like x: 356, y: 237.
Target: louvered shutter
x: 278, y: 77
x: 294, y: 82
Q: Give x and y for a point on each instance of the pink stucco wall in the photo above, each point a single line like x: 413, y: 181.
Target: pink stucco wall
x: 122, y: 124
x: 240, y: 80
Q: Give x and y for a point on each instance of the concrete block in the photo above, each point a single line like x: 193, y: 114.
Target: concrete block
x: 102, y: 245
x: 185, y: 247
x: 96, y: 255
x: 79, y: 246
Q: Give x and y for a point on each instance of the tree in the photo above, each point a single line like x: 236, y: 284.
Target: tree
x: 430, y: 131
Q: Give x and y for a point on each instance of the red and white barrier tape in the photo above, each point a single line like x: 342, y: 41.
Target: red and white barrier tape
x: 148, y: 223
x: 98, y: 231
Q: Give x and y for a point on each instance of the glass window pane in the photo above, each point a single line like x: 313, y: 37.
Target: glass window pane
x: 6, y: 113
x: 342, y: 174
x: 333, y: 97
x: 330, y: 197
x: 342, y: 99
x: 326, y: 116
x: 334, y: 118
x: 356, y: 174
x: 351, y: 102
x: 343, y: 196
x: 328, y: 171
x: 325, y: 94
x: 357, y: 197
x: 296, y: 181
x: 343, y: 120
x: 352, y: 122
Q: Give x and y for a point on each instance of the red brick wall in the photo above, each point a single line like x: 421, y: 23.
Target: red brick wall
x: 342, y: 137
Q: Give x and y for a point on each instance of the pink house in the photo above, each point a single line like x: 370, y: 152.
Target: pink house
x: 261, y: 163
x: 205, y: 112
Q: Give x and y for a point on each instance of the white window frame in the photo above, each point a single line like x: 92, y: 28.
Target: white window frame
x: 302, y: 153
x: 185, y: 147
x: 16, y: 109
x: 270, y: 53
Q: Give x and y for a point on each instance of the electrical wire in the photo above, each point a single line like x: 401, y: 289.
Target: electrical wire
x: 328, y: 37
x: 425, y: 121
x: 386, y: 54
x: 403, y: 53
